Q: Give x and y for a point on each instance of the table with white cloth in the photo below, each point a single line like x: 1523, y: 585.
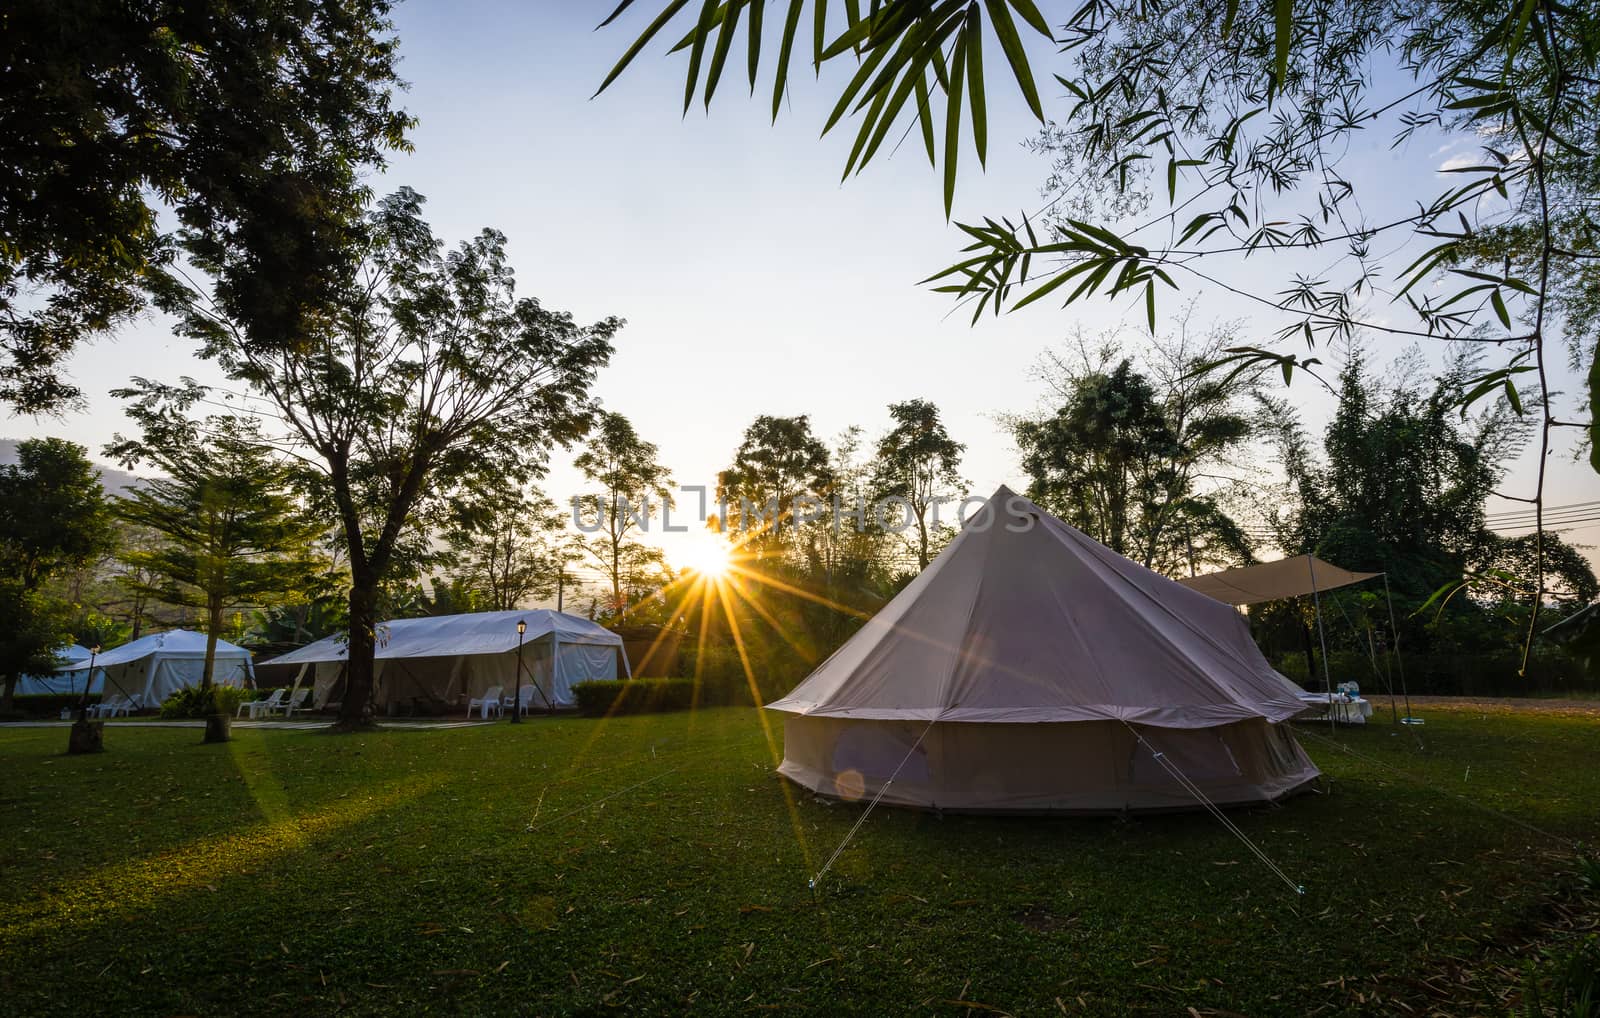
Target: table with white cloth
x: 1348, y: 710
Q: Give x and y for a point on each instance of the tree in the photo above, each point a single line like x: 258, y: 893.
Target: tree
x: 918, y: 462
x: 1237, y: 116
x: 778, y: 464
x: 1140, y: 461
x: 432, y: 384
x: 252, y: 121
x: 1399, y: 486
x: 511, y: 548
x: 235, y: 532
x: 53, y: 517
x: 629, y: 474
x: 1401, y: 481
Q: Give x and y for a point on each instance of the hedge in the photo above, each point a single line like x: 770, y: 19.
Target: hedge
x: 49, y: 704
x: 633, y: 696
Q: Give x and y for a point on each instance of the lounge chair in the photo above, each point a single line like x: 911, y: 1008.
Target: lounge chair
x: 490, y: 699
x: 260, y: 707
x: 108, y: 708
x: 301, y: 703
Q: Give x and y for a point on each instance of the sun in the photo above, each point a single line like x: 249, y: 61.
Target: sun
x: 706, y: 554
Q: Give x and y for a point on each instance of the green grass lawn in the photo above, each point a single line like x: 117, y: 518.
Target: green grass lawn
x: 656, y: 863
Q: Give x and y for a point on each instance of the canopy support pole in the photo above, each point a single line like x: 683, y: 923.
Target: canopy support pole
x: 1322, y: 635
x: 299, y: 676
x: 1394, y: 631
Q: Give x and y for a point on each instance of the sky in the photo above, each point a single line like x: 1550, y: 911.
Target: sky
x: 752, y: 279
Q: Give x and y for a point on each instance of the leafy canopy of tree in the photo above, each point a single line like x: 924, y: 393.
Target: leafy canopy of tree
x: 53, y: 517
x: 252, y: 121
x: 1140, y: 461
x: 633, y: 485
x: 778, y: 463
x: 1237, y: 116
x: 919, y: 463
x: 1400, y: 487
x: 433, y: 384
x: 511, y: 548
x: 235, y: 532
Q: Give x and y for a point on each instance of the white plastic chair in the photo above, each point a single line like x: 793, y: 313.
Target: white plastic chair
x: 108, y: 708
x: 293, y: 704
x: 490, y: 699
x: 527, y: 693
x: 259, y: 707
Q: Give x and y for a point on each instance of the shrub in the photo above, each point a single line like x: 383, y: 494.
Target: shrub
x: 49, y: 704
x: 193, y: 702
x: 633, y: 696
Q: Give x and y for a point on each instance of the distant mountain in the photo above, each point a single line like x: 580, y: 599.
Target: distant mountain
x: 113, y: 480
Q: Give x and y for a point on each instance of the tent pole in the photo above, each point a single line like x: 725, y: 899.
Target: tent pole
x: 1399, y: 662
x: 299, y: 677
x: 1322, y: 635
x: 523, y: 668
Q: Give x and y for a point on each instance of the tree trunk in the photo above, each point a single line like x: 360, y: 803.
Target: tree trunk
x: 6, y: 699
x: 362, y: 645
x: 213, y: 625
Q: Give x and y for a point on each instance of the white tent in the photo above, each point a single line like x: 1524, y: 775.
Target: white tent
x: 154, y: 667
x: 1031, y: 669
x: 432, y: 664
x: 68, y: 681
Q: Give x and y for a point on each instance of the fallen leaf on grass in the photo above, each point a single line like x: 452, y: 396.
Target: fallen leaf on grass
x: 976, y: 1005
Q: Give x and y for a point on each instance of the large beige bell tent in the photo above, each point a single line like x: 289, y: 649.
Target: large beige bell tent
x: 1031, y: 669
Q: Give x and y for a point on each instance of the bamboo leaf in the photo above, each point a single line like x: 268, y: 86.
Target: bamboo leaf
x: 1500, y: 308
x: 757, y: 11
x: 708, y: 11
x: 719, y: 56
x: 1031, y: 15
x: 925, y: 117
x: 1150, y: 305
x: 819, y: 32
x: 1006, y: 30
x: 863, y: 73
x: 1511, y: 394
x: 614, y: 15
x: 972, y: 37
x: 1229, y: 13
x: 640, y: 43
x: 1284, y: 15
x: 952, y: 122
x: 791, y: 27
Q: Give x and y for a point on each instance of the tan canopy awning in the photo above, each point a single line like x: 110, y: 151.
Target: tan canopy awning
x: 1273, y: 581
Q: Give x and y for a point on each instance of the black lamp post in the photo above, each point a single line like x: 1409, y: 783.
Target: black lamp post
x: 516, y: 711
